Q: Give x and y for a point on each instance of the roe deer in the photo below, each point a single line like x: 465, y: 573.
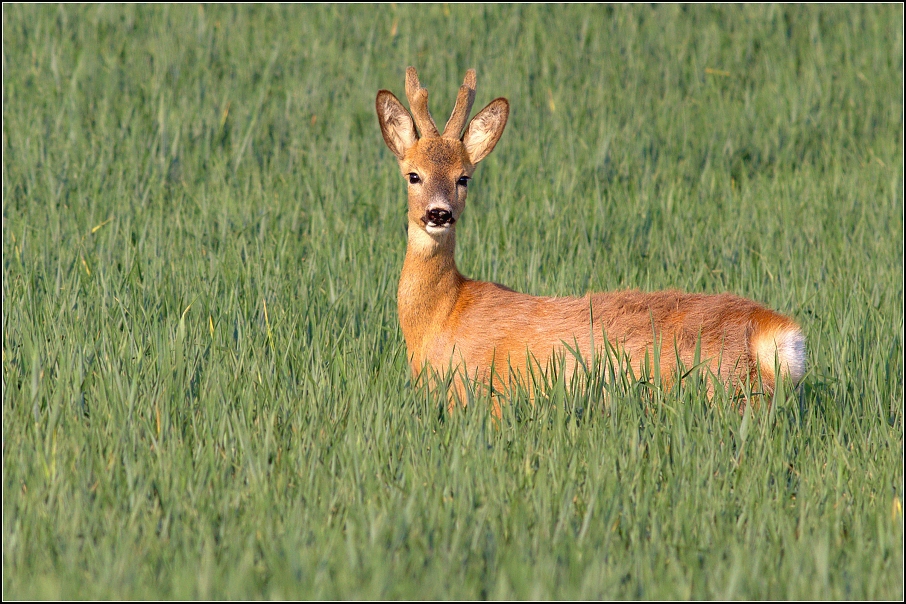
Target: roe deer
x: 462, y: 329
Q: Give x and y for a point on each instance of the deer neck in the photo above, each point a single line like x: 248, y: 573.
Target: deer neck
x: 428, y: 290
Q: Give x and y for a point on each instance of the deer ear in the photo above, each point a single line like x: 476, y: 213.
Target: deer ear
x: 397, y: 126
x: 485, y: 129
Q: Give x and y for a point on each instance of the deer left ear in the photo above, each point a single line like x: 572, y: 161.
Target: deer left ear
x: 397, y: 126
x: 485, y: 130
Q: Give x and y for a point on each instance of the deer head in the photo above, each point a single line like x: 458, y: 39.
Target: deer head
x: 438, y: 166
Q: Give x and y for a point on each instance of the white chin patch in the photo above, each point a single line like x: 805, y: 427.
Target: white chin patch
x: 438, y: 229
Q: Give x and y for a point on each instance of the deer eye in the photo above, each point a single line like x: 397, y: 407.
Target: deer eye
x: 463, y: 181
x: 413, y: 178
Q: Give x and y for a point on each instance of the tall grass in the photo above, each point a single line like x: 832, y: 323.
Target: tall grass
x: 205, y: 391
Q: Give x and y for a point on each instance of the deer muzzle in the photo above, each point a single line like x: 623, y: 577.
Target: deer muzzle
x: 438, y: 217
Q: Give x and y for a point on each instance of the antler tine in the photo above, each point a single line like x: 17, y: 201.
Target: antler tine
x: 418, y: 103
x: 463, y: 107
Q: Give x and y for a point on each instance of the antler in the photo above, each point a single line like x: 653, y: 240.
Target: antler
x: 463, y: 106
x: 418, y: 103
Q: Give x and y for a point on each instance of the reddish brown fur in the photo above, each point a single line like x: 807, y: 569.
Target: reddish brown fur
x: 477, y: 325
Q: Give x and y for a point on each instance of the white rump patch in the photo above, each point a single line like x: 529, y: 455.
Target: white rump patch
x: 789, y: 346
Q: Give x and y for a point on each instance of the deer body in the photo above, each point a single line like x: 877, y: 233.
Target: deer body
x: 487, y: 333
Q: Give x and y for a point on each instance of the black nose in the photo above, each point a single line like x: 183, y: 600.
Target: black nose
x: 438, y: 217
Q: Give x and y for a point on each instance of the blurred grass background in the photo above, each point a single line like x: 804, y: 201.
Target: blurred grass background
x: 205, y: 392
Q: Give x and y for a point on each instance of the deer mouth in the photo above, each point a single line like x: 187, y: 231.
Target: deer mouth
x: 438, y: 219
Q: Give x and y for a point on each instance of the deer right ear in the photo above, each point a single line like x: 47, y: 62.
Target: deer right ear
x: 485, y: 129
x: 397, y: 126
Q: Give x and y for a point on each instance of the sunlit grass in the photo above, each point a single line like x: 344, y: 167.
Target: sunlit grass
x: 205, y: 390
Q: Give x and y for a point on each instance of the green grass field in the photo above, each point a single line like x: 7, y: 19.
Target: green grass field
x: 205, y: 388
